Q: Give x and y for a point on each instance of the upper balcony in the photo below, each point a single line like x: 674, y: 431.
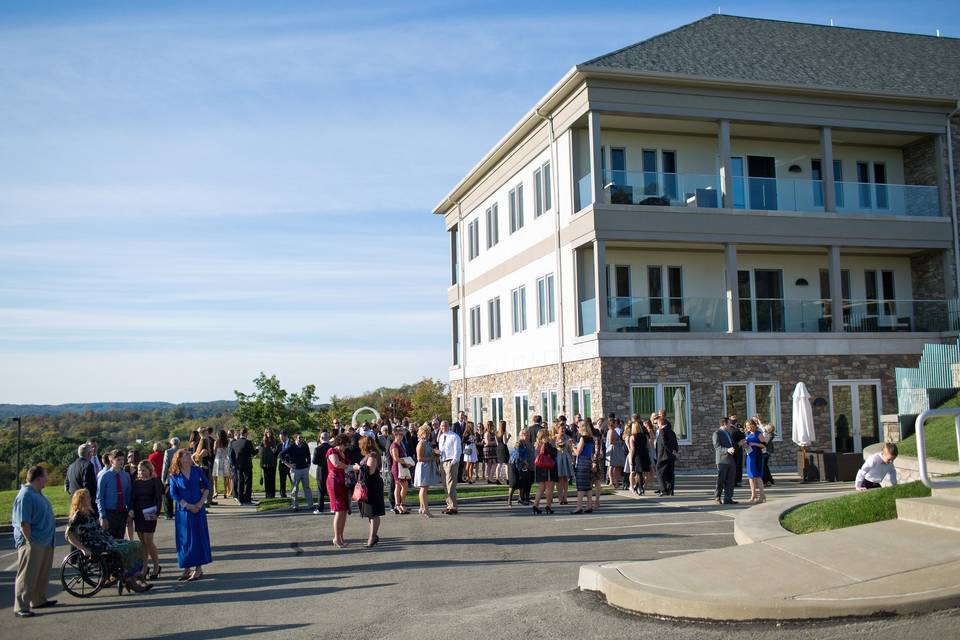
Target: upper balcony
x: 661, y: 164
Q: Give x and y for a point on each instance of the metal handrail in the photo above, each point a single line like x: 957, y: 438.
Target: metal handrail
x: 922, y: 447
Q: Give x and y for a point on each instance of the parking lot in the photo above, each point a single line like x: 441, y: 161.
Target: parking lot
x: 490, y: 572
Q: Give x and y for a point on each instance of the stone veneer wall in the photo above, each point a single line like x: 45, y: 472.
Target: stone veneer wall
x: 610, y: 380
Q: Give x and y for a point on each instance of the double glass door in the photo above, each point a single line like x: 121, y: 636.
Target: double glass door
x: 854, y: 414
x: 761, y: 300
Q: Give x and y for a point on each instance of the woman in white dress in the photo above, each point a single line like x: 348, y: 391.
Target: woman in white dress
x: 426, y: 474
x: 469, y: 453
x: 221, y: 465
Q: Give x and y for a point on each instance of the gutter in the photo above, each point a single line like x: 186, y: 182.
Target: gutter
x: 953, y: 200
x: 555, y: 187
x: 461, y: 296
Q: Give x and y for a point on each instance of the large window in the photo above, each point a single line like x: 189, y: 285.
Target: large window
x: 493, y: 229
x: 519, y: 309
x: 670, y: 281
x: 516, y: 208
x: 473, y: 239
x: 455, y: 317
x: 541, y: 190
x: 493, y: 319
x: 877, y: 284
x: 496, y: 410
x: 521, y: 412
x: 454, y: 256
x: 549, y: 406
x: 748, y: 399
x: 546, y: 311
x: 476, y: 407
x: 672, y: 397
x: 475, y: 325
x: 670, y: 190
x: 581, y: 401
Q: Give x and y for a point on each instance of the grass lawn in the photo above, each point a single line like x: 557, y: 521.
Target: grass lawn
x: 940, y: 436
x: 56, y: 495
x: 848, y: 511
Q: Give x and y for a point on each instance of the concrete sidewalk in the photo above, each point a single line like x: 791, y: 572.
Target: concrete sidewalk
x: 892, y: 567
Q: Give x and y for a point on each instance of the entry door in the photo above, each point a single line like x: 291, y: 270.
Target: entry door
x: 521, y: 412
x: 854, y: 414
x: 762, y: 182
x: 761, y: 300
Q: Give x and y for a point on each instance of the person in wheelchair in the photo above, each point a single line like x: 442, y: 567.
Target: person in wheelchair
x: 86, y: 534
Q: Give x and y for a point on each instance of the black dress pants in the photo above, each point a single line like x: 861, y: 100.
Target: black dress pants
x: 725, y: 480
x: 321, y: 490
x: 666, y: 475
x: 245, y: 484
x: 167, y: 502
x: 270, y: 481
x: 284, y: 474
x: 738, y: 457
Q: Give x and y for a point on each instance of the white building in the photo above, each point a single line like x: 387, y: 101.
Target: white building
x: 659, y: 231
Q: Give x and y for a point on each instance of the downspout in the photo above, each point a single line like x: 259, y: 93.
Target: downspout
x: 953, y: 201
x: 461, y: 295
x: 561, y: 374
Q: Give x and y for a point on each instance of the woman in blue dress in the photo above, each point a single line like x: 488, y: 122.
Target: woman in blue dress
x: 755, y: 461
x: 189, y: 489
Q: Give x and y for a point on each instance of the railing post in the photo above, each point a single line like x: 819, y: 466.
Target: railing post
x: 922, y: 446
x: 826, y: 170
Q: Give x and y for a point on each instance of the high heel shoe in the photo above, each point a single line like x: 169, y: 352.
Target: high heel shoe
x: 537, y: 511
x: 548, y: 510
x: 156, y: 574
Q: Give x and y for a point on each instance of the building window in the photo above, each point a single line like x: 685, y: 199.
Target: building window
x: 493, y: 229
x: 748, y: 399
x: 672, y: 397
x: 455, y: 316
x: 519, y: 309
x: 863, y: 183
x: 618, y: 290
x: 541, y: 190
x: 454, y: 256
x: 476, y: 406
x: 496, y: 411
x: 521, y: 412
x: 516, y: 208
x: 875, y: 287
x: 493, y: 319
x: 826, y: 300
x: 655, y: 288
x: 459, y: 405
x: 672, y: 284
x: 473, y: 239
x: 670, y: 187
x: 549, y: 406
x: 581, y: 402
x: 475, y: 326
x: 546, y: 312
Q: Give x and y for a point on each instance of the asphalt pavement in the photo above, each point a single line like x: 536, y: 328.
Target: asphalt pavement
x: 489, y: 572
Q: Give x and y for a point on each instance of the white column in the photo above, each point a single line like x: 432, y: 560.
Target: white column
x: 733, y: 290
x: 836, y: 291
x: 600, y: 282
x: 596, y: 188
x: 726, y: 173
x: 826, y: 169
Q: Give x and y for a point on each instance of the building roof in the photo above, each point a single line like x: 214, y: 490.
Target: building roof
x: 806, y: 55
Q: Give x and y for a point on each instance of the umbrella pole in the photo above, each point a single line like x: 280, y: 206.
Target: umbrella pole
x: 803, y: 463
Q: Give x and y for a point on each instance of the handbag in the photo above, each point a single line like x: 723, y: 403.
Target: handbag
x: 360, y: 493
x: 403, y: 473
x: 544, y: 461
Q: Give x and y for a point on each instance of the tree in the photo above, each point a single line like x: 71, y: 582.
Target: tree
x: 396, y: 408
x: 429, y: 397
x: 265, y: 408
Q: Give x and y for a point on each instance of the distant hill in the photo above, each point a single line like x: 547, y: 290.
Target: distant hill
x: 197, y: 409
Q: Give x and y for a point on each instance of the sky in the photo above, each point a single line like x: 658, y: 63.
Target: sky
x: 194, y: 192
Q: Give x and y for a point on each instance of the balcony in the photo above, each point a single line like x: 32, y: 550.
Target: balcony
x: 771, y: 315
x: 762, y: 194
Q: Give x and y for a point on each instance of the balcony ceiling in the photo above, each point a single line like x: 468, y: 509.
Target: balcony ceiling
x: 757, y: 131
x: 746, y: 249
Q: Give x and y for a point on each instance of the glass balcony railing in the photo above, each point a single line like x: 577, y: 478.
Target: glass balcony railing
x: 771, y: 315
x: 770, y: 194
x: 643, y: 315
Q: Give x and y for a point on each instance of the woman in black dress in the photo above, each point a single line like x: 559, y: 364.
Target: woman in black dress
x: 369, y: 473
x: 640, y: 463
x: 147, y: 501
x: 545, y: 470
x: 503, y: 451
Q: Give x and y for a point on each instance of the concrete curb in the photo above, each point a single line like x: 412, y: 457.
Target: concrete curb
x: 762, y: 522
x: 8, y: 527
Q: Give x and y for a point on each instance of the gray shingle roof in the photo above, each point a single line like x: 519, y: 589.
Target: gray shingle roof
x: 756, y: 50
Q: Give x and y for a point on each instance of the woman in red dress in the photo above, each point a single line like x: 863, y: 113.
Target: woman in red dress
x: 337, y: 486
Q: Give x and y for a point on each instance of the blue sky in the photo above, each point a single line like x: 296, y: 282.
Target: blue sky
x: 191, y: 193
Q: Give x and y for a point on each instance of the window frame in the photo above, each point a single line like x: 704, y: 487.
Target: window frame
x: 515, y: 206
x: 494, y: 326
x: 495, y: 400
x: 473, y: 239
x: 752, y: 402
x: 546, y: 300
x: 492, y: 216
x: 518, y: 312
x: 455, y: 316
x: 577, y: 404
x: 542, y: 187
x: 474, y: 325
x: 659, y: 402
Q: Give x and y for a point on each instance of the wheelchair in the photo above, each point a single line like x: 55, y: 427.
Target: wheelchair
x: 84, y: 577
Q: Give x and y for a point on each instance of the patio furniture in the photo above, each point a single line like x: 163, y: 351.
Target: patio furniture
x: 664, y: 322
x: 656, y: 201
x: 621, y: 194
x: 703, y: 198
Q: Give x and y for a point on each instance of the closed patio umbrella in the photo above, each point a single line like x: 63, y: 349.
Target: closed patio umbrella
x: 680, y: 413
x: 803, y: 433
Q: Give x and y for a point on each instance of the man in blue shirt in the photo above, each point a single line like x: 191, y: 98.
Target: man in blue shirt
x: 34, y: 530
x: 115, y: 497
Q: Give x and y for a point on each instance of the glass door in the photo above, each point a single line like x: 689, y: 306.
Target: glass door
x: 521, y: 412
x: 761, y: 300
x: 762, y: 182
x: 854, y: 414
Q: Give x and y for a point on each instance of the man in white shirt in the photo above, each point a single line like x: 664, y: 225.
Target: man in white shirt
x: 877, y: 467
x: 451, y: 450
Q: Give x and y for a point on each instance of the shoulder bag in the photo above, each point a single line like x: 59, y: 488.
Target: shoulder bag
x: 544, y: 461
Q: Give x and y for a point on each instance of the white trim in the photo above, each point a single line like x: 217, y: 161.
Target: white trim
x: 855, y: 431
x: 751, y: 386
x: 658, y: 399
x: 493, y: 414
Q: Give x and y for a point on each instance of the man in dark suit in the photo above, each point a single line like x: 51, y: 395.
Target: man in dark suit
x: 285, y: 443
x: 738, y: 436
x: 81, y: 474
x: 241, y: 457
x: 725, y: 449
x: 667, y: 451
x: 207, y: 437
x: 460, y: 425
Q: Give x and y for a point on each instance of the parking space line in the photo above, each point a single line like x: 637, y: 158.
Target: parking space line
x: 658, y: 524
x: 683, y: 550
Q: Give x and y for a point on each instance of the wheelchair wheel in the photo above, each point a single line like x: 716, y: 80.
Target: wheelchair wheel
x: 82, y: 577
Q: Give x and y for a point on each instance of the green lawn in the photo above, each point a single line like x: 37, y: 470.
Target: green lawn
x: 56, y: 495
x: 847, y: 511
x: 940, y: 436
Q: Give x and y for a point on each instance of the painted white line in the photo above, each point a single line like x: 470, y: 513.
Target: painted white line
x: 7, y: 555
x: 683, y: 551
x: 12, y: 567
x: 659, y: 524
